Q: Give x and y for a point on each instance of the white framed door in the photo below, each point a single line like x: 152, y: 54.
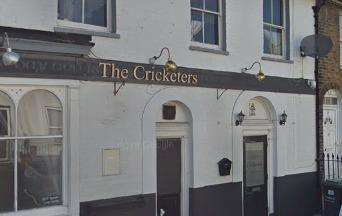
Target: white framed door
x: 182, y: 132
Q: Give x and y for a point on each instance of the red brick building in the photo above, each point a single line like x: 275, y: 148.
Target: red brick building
x: 330, y: 83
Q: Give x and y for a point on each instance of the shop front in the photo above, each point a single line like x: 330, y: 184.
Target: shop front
x: 88, y: 136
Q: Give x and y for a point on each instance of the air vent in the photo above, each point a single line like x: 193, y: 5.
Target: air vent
x: 169, y: 112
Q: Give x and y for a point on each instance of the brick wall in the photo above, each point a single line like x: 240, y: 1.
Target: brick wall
x: 329, y: 69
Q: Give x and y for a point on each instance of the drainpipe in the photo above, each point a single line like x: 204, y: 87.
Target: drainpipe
x: 316, y: 10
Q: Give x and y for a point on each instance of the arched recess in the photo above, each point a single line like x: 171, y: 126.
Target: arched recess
x: 260, y: 121
x: 178, y: 129
x: 154, y: 126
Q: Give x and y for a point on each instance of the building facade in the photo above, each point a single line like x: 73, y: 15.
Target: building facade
x: 330, y: 85
x: 89, y: 126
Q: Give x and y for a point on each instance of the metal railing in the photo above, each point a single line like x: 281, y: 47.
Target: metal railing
x: 332, y: 166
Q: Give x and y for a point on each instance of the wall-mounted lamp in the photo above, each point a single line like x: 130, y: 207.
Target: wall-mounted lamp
x: 9, y: 57
x: 239, y: 118
x: 260, y: 75
x: 283, y: 118
x: 170, y: 66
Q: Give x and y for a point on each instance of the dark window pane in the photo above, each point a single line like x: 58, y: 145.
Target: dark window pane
x: 6, y: 176
x: 34, y: 118
x: 267, y: 39
x: 39, y: 173
x: 212, y: 5
x: 255, y: 167
x: 278, y: 12
x: 197, y: 3
x: 70, y: 10
x: 273, y: 40
x: 4, y: 122
x: 267, y: 11
x: 211, y: 29
x: 96, y: 12
x: 196, y: 26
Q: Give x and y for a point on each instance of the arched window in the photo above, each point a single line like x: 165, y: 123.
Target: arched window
x: 37, y: 140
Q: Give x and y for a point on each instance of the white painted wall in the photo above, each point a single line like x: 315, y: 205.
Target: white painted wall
x: 147, y: 26
x: 99, y: 120
x: 115, y: 121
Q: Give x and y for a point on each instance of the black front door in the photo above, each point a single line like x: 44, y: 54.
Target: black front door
x: 255, y: 175
x: 169, y: 169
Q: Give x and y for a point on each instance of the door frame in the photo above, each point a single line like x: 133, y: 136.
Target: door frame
x: 265, y: 158
x: 266, y: 129
x: 336, y: 145
x: 179, y: 131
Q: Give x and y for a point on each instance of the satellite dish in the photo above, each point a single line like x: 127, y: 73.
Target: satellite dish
x: 316, y: 46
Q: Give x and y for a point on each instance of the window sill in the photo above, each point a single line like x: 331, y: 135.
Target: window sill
x: 209, y: 50
x: 86, y: 32
x: 287, y: 61
x: 47, y: 211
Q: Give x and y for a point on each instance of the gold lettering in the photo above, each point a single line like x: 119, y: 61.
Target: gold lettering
x: 149, y: 75
x: 195, y: 79
x: 153, y: 75
x: 139, y: 73
x: 189, y: 78
x: 159, y: 76
x: 179, y: 77
x: 138, y: 69
x: 184, y: 78
x: 166, y: 77
x: 104, y: 66
x: 173, y: 77
x: 115, y: 72
x: 124, y: 74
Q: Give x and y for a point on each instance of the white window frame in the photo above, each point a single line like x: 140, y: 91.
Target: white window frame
x: 47, y: 108
x: 8, y: 111
x: 81, y: 25
x: 282, y: 28
x: 49, y: 210
x: 220, y: 26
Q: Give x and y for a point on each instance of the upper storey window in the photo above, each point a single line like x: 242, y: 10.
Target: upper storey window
x: 275, y: 27
x: 206, y: 22
x: 93, y: 14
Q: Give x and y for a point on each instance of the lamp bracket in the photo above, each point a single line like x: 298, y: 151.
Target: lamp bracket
x: 244, y: 70
x: 220, y: 94
x: 117, y: 88
x: 161, y: 52
x: 153, y: 59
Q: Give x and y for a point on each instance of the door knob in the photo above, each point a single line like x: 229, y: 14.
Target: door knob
x: 162, y: 212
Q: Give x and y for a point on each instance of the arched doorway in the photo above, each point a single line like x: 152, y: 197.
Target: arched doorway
x: 331, y: 122
x: 258, y: 157
x: 332, y: 133
x: 174, y: 156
